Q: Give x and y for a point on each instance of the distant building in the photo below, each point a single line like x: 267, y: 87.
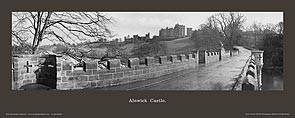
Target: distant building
x: 137, y: 38
x: 176, y: 32
x: 179, y: 30
x: 189, y: 31
x: 166, y: 33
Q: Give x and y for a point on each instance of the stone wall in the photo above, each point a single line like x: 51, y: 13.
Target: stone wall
x: 90, y: 75
x: 224, y: 54
x: 212, y: 57
x: 250, y: 81
x: 23, y: 68
x: 206, y: 57
x: 235, y: 52
x: 69, y: 77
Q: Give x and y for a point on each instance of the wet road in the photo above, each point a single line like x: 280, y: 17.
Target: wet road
x: 214, y: 76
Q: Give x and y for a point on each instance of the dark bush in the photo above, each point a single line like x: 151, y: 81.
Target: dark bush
x: 273, y: 50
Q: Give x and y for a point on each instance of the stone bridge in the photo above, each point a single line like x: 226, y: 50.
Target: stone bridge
x: 197, y: 71
x: 224, y: 74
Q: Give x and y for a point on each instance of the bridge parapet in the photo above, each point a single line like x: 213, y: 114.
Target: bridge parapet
x: 211, y: 56
x: 252, y: 80
x: 94, y: 73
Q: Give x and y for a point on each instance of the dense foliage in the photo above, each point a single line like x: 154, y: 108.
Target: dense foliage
x: 273, y: 50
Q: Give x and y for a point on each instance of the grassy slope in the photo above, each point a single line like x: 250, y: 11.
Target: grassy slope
x: 179, y: 46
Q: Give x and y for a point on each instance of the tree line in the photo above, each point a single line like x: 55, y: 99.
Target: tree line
x: 228, y: 29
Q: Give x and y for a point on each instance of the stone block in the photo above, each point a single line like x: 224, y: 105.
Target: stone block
x: 106, y: 76
x: 58, y: 65
x: 136, y: 67
x: 69, y: 73
x: 152, y: 75
x: 66, y: 86
x: 79, y: 72
x: 118, y: 75
x: 163, y: 59
x: 106, y: 71
x: 58, y: 78
x: 133, y: 78
x: 137, y: 72
x: 152, y: 69
x: 182, y: 57
x: 29, y: 76
x: 93, y: 84
x: 66, y: 66
x: 94, y: 72
x: 117, y: 81
x: 99, y: 83
x: 149, y: 61
x: 132, y: 62
x: 107, y: 82
x: 66, y: 79
x: 81, y: 85
x: 91, y: 65
x: 93, y: 78
x: 120, y: 69
x: 128, y: 73
x: 173, y: 58
x: 113, y: 63
x: 196, y: 55
x: 15, y: 59
x: 81, y: 78
x: 89, y: 72
x: 144, y: 71
x: 163, y: 67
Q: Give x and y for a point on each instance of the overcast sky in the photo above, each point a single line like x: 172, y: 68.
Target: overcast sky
x: 131, y: 23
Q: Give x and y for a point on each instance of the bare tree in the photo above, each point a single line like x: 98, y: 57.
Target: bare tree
x: 280, y: 27
x: 259, y: 31
x: 208, y: 36
x: 229, y: 24
x: 266, y: 28
x: 31, y: 28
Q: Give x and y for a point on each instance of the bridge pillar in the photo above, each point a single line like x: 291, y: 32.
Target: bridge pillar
x: 196, y: 57
x: 202, y: 55
x: 258, y: 58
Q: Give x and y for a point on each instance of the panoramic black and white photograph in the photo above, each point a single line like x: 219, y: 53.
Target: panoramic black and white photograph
x: 147, y: 51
